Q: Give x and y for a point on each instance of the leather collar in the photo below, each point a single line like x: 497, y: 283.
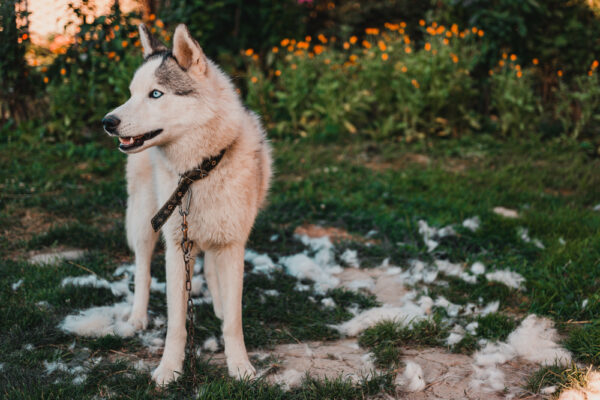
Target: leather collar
x: 185, y: 182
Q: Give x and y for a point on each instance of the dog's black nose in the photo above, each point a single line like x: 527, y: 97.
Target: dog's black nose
x: 110, y: 123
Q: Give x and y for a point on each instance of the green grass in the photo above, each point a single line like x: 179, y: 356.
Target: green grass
x: 563, y: 377
x: 74, y: 195
x: 386, y: 338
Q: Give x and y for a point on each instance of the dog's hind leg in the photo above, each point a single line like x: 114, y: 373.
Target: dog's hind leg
x: 230, y: 273
x: 141, y: 206
x: 210, y: 273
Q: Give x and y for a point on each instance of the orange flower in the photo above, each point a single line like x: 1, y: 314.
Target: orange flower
x: 454, y: 58
x: 318, y: 49
x: 152, y: 17
x: 25, y: 36
x: 249, y: 52
x: 381, y: 45
x: 504, y: 55
x: 44, y: 69
x: 474, y: 29
x: 353, y: 39
x: 63, y: 71
x: 254, y: 79
x: 427, y: 46
x: 322, y: 38
x: 590, y: 73
x: 366, y: 44
x: 384, y: 56
x: 501, y: 63
x: 136, y: 43
x: 277, y: 73
x: 448, y: 34
x: 480, y: 33
x: 290, y: 48
x: 446, y: 41
x: 422, y: 22
x: 124, y: 43
x: 327, y: 61
x: 255, y: 57
x: 407, y: 50
x: 404, y: 69
x: 293, y: 66
x: 490, y: 72
x: 560, y: 73
x: 275, y: 49
x: 513, y: 57
x: 160, y: 24
x: 372, y: 31
x: 518, y: 67
x: 308, y: 38
x: 454, y: 29
x: 519, y: 74
x: 46, y: 79
x: 595, y: 64
x: 406, y: 40
x: 285, y: 42
x: 415, y: 83
x: 535, y: 61
x: 117, y: 27
x: 112, y: 54
x: 353, y: 58
x: 346, y: 45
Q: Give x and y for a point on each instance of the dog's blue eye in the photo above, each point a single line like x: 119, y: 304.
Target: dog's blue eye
x: 155, y: 94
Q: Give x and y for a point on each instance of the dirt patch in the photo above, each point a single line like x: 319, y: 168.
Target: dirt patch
x: 335, y: 234
x: 446, y: 375
x: 376, y: 164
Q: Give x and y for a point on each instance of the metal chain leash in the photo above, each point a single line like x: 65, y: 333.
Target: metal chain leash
x: 186, y: 247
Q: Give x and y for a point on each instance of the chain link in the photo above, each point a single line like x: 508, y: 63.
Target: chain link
x: 186, y: 247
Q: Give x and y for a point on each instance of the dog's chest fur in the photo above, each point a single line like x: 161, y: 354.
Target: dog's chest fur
x: 223, y: 205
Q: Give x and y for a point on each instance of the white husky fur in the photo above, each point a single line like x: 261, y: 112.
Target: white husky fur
x: 199, y: 113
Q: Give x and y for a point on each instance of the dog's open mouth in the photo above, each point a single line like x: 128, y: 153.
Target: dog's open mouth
x: 131, y: 142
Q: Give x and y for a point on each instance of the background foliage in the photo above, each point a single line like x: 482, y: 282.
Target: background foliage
x: 319, y: 69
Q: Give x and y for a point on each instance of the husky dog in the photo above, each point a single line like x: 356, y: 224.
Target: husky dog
x: 183, y: 109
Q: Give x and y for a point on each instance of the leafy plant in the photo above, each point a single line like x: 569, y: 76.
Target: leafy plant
x: 578, y: 105
x: 19, y: 84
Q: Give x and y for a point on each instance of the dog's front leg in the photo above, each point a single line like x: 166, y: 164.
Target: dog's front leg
x: 230, y: 272
x: 171, y: 364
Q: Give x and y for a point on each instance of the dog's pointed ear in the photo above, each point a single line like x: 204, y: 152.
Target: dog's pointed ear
x: 187, y: 51
x: 149, y: 43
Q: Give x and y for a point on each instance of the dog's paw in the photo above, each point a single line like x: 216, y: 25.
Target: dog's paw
x: 163, y: 375
x: 241, y: 369
x: 139, y: 321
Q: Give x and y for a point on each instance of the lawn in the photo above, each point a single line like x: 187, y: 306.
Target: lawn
x: 73, y: 196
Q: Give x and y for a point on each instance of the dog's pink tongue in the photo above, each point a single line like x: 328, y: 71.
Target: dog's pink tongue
x: 128, y: 140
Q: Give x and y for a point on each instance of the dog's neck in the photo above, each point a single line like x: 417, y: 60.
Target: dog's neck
x: 189, y: 150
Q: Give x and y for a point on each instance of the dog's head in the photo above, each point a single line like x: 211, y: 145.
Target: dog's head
x: 170, y: 94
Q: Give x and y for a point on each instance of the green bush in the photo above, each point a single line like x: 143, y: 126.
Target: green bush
x: 225, y: 27
x: 380, y: 87
x: 561, y: 34
x: 578, y: 105
x: 513, y: 101
x: 19, y: 81
x: 92, y: 75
